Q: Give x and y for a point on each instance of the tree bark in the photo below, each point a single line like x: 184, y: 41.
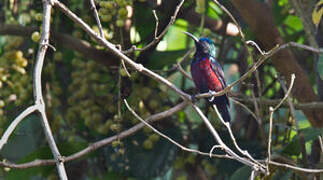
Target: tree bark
x: 260, y: 20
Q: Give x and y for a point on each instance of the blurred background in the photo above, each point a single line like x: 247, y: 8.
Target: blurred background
x: 84, y: 86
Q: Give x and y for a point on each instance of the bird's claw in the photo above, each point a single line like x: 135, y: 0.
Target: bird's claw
x: 193, y: 98
x: 212, y: 97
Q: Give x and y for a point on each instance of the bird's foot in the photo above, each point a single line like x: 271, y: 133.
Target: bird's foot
x: 212, y: 97
x: 193, y: 98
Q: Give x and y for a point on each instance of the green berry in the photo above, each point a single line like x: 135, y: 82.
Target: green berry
x: 39, y: 17
x: 35, y: 36
x: 58, y: 56
x: 2, y: 104
x: 123, y: 12
x: 154, y: 137
x: 106, y: 18
x: 148, y: 144
x: 120, y: 23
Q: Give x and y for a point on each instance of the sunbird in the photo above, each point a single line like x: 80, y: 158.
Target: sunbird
x: 208, y: 74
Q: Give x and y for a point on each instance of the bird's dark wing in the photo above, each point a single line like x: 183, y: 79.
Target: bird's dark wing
x: 217, y: 69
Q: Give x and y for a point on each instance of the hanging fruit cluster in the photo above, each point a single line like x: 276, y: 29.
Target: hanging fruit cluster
x: 114, y: 11
x: 15, y: 83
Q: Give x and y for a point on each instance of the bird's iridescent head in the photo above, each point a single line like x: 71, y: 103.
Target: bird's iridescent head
x: 204, y: 46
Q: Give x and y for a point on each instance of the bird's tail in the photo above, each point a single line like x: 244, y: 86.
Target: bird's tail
x: 222, y: 105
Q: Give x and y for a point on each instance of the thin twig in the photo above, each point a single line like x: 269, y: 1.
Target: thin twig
x: 321, y: 143
x: 179, y: 64
x: 274, y: 102
x: 295, y: 168
x: 245, y: 107
x: 243, y: 152
x: 272, y: 110
x: 223, y: 146
x: 233, y: 19
x: 101, y: 143
x: 252, y: 175
x: 257, y: 47
x: 96, y: 16
x: 15, y: 123
x: 125, y: 68
x: 161, y: 35
x: 157, y: 23
x: 111, y: 47
x: 299, y: 133
x: 170, y: 139
x: 255, y: 104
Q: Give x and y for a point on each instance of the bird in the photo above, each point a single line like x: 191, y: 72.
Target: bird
x: 208, y: 75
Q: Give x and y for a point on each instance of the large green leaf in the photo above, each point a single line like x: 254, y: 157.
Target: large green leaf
x: 293, y: 148
x: 160, y: 59
x: 242, y: 173
x: 142, y: 163
x: 42, y: 153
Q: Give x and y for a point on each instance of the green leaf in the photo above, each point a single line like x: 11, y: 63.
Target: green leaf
x: 142, y: 163
x: 43, y: 153
x: 160, y: 59
x: 293, y: 148
x: 283, y: 175
x: 317, y: 13
x: 175, y: 38
x: 242, y: 173
x: 294, y: 22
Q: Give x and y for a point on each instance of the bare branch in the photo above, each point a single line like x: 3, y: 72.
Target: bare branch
x: 168, y: 138
x: 295, y: 168
x: 161, y: 35
x: 111, y: 47
x: 243, y: 152
x: 15, y: 123
x: 233, y: 19
x: 246, y: 108
x: 253, y: 175
x: 100, y: 143
x: 224, y: 147
x: 321, y: 143
x: 274, y: 102
x: 292, y: 112
x: 157, y: 23
x: 37, y: 87
x: 272, y: 110
x: 257, y: 47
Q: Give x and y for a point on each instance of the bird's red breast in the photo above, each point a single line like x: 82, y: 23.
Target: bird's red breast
x: 204, y: 77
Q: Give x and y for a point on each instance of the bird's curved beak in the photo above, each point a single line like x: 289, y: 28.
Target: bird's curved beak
x: 191, y: 36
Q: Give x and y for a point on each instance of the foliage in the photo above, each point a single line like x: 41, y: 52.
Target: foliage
x: 84, y: 97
